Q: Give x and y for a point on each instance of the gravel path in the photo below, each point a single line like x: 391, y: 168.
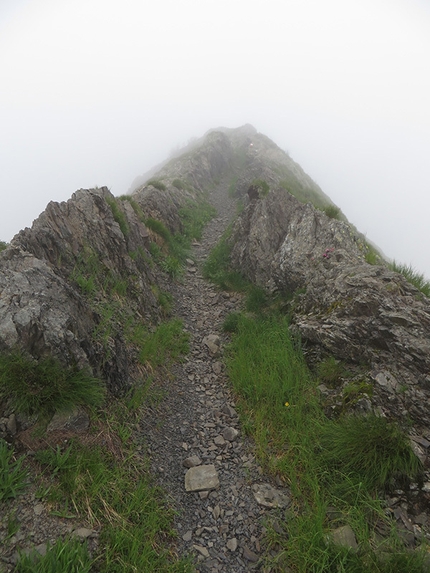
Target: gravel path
x: 196, y: 424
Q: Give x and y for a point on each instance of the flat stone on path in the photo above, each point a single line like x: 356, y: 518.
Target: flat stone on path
x: 229, y: 411
x: 268, y: 496
x: 250, y: 555
x: 192, y: 462
x: 201, y: 478
x: 230, y: 434
x: 202, y: 550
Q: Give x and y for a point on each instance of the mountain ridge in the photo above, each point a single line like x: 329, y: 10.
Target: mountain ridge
x: 92, y: 274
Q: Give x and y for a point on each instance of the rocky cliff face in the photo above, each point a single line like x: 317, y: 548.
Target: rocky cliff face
x: 364, y: 315
x: 48, y: 270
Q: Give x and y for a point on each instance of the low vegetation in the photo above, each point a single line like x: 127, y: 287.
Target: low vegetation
x: 3, y: 246
x: 119, y: 216
x: 193, y: 216
x: 157, y: 184
x: 217, y: 268
x: 302, y: 193
x: 162, y: 346
x: 45, y: 386
x: 332, y: 212
x: 262, y: 186
x: 231, y: 191
x: 67, y: 556
x: 344, y: 464
x: 13, y: 477
x: 104, y: 482
x: 100, y: 479
x: 340, y: 466
x: 411, y: 275
x: 178, y: 184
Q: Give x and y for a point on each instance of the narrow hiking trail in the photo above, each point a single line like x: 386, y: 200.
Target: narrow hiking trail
x: 196, y: 424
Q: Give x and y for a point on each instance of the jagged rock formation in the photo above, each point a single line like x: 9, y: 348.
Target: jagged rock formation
x: 360, y: 313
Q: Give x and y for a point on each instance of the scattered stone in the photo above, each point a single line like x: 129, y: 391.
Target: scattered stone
x: 230, y: 434
x: 250, y: 555
x: 232, y: 544
x: 219, y: 441
x: 229, y: 411
x: 345, y: 537
x: 76, y: 421
x: 188, y: 535
x: 201, y: 478
x: 38, y: 509
x: 11, y: 425
x: 212, y: 342
x: 216, y: 511
x: 268, y: 496
x: 217, y: 368
x: 192, y: 462
x: 202, y: 550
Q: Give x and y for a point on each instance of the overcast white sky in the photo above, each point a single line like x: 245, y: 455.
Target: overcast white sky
x: 95, y: 92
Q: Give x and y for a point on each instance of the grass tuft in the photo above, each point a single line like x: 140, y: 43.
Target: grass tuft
x: 368, y: 449
x: 165, y: 345
x: 332, y: 212
x: 45, y: 386
x: 217, y: 268
x: 13, y: 479
x: 119, y: 216
x: 178, y: 184
x: 412, y: 276
x: 68, y: 556
x: 157, y: 184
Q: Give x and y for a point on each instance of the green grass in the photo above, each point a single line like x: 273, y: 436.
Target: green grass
x: 343, y: 463
x: 109, y: 485
x: 331, y: 371
x: 263, y: 187
x: 217, y: 268
x: 13, y: 478
x: 178, y: 184
x: 66, y: 556
x: 157, y: 184
x: 3, y: 246
x: 159, y: 228
x: 417, y: 279
x: 369, y: 449
x: 332, y: 212
x: 119, y: 216
x: 371, y: 255
x: 93, y: 277
x: 194, y: 216
x: 45, y: 386
x: 166, y: 344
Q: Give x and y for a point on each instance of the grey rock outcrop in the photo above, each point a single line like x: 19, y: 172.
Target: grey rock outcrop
x: 42, y: 309
x: 345, y: 307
